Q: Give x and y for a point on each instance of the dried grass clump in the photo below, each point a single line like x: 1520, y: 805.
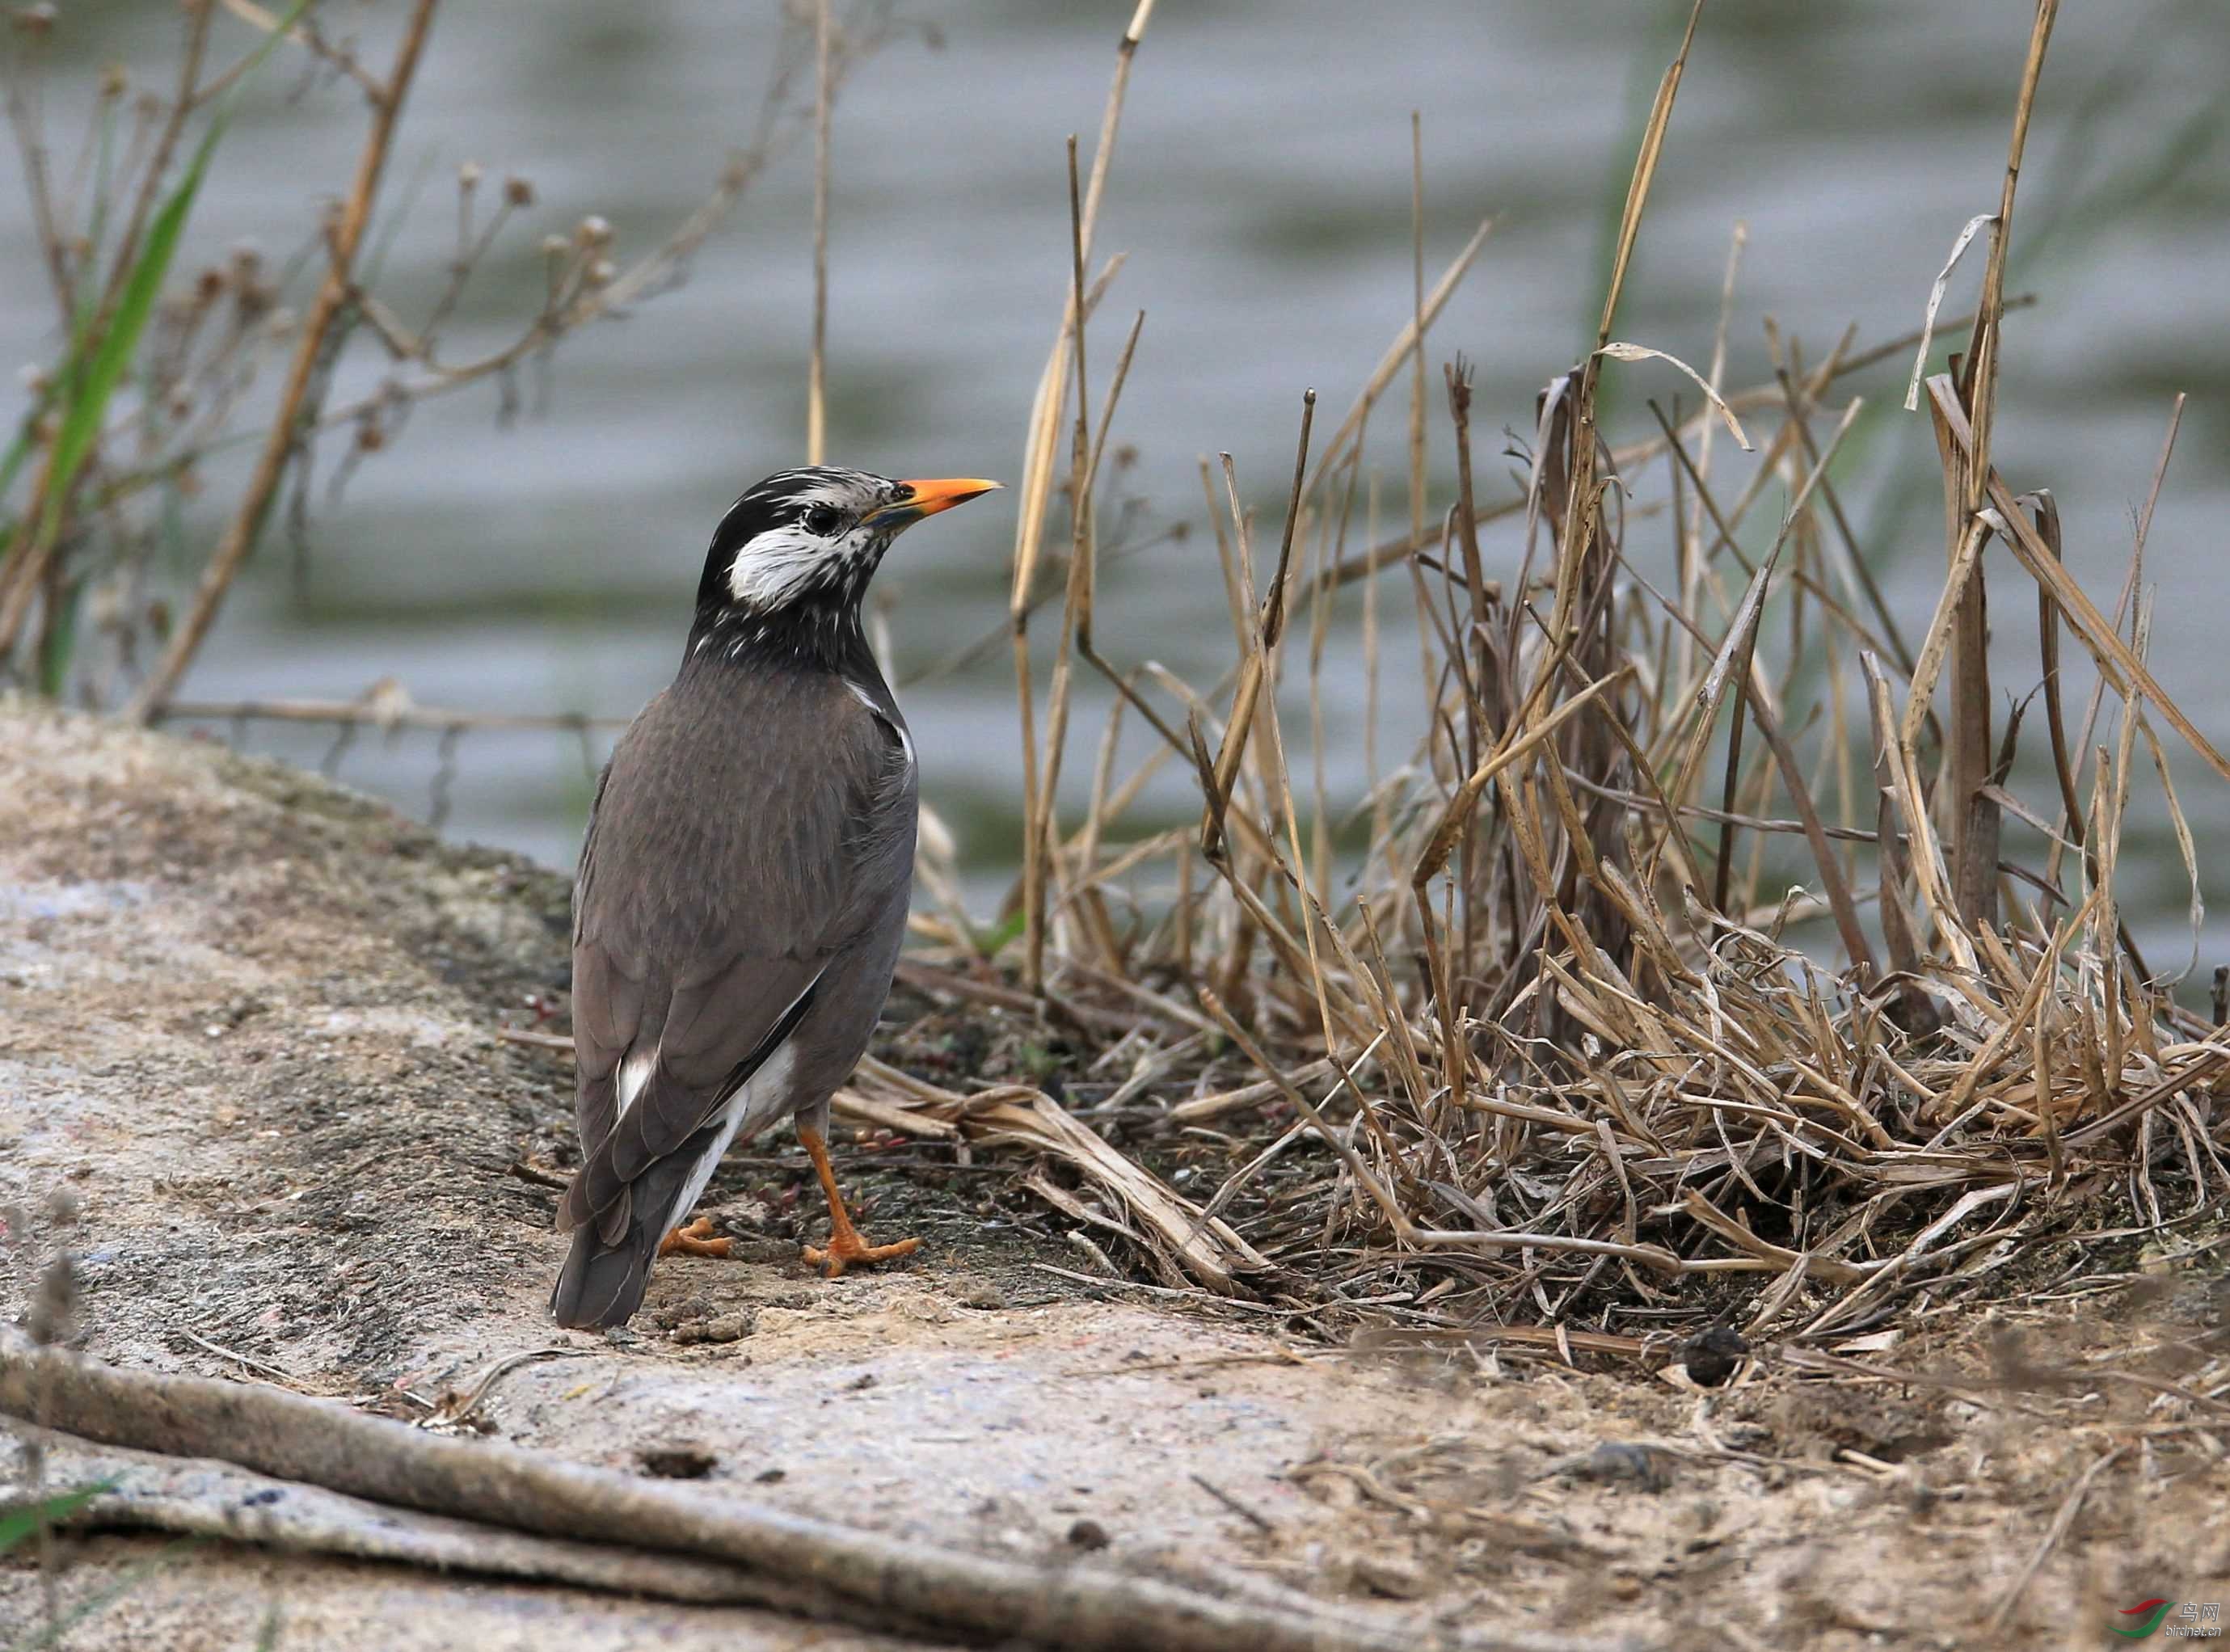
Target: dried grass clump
x: 1546, y: 1046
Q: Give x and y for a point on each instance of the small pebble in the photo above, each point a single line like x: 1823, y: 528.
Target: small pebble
x: 680, y: 1460
x: 1713, y: 1355
x: 1616, y: 1459
x: 1088, y: 1535
x: 1394, y: 1577
x: 720, y: 1327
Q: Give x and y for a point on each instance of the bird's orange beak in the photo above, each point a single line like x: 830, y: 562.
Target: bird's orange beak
x: 928, y: 497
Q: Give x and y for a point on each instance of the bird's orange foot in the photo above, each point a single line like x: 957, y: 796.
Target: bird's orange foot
x: 695, y: 1240
x: 845, y: 1247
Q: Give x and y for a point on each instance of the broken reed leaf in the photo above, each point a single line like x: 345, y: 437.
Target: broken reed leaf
x: 1936, y: 302
x: 2196, y: 908
x: 1643, y: 352
x: 1935, y: 646
x: 2117, y: 663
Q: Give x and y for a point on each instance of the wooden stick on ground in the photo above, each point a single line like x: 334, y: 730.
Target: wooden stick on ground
x: 869, y: 1579
x: 196, y: 1498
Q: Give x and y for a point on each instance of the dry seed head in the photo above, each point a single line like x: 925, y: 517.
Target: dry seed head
x: 518, y: 191
x: 468, y: 175
x: 50, y: 1317
x: 592, y: 231
x: 34, y: 19
x: 602, y: 272
x: 554, y: 246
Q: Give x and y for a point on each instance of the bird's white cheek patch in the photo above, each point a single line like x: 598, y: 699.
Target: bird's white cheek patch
x: 771, y: 568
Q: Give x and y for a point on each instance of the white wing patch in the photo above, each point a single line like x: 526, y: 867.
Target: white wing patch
x: 762, y: 1097
x: 634, y: 1073
x: 905, y: 740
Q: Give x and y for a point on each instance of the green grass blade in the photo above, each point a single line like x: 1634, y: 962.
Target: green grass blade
x: 18, y: 1524
x: 88, y: 405
x: 162, y: 1560
x: 61, y: 643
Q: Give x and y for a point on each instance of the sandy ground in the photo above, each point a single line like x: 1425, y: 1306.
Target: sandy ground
x: 247, y: 1027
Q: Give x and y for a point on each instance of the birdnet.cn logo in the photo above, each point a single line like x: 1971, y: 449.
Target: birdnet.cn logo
x: 2193, y: 1620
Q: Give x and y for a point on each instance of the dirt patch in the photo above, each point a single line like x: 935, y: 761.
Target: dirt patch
x: 248, y: 1026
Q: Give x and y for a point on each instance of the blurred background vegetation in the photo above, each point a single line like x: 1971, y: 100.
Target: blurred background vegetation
x: 528, y: 542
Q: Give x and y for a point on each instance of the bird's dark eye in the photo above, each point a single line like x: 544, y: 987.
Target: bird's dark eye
x: 821, y: 521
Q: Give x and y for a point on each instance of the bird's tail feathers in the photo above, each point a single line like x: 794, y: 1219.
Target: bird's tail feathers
x: 601, y: 1285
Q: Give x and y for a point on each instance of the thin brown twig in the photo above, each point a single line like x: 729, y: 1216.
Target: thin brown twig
x: 287, y: 428
x: 816, y: 386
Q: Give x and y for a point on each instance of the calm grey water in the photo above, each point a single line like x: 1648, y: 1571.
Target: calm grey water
x: 1261, y: 190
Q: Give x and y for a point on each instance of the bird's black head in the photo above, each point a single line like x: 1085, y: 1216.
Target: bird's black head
x: 791, y: 559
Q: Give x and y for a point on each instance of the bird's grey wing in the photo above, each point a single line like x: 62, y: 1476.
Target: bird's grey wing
x: 720, y: 881
x: 606, y: 1005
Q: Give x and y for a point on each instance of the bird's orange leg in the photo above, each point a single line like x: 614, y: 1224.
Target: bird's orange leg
x: 845, y: 1245
x: 695, y: 1240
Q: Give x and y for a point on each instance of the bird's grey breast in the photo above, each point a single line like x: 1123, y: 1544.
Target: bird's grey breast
x: 749, y: 805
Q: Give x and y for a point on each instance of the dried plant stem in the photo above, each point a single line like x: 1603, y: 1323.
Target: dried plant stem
x: 305, y: 34
x: 1973, y: 817
x: 2117, y: 664
x: 287, y: 431
x: 1036, y: 488
x: 1417, y: 455
x: 378, y: 712
x: 1039, y: 838
x: 816, y: 387
x: 1268, y: 629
